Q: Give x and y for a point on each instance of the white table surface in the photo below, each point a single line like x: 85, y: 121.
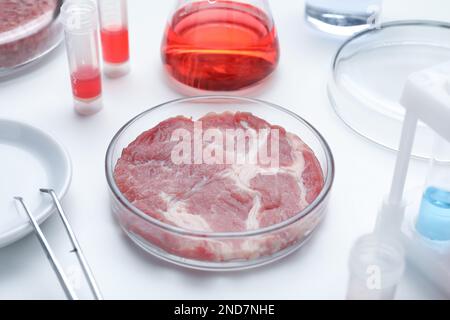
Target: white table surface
x: 318, y: 271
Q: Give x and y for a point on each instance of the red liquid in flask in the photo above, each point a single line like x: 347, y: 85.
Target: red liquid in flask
x: 115, y: 44
x: 86, y: 83
x: 223, y: 46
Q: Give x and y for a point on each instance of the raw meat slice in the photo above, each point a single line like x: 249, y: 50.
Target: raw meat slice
x: 220, y: 197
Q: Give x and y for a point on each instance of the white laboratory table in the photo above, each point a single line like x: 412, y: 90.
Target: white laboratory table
x: 317, y: 271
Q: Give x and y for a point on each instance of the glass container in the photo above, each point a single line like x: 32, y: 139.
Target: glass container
x: 342, y: 17
x: 114, y: 36
x: 222, y: 45
x: 81, y: 37
x: 370, y: 70
x: 29, y: 30
x: 213, y: 250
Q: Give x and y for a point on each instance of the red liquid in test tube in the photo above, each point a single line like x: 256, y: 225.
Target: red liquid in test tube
x: 114, y: 36
x: 115, y: 44
x: 80, y: 22
x: 86, y: 83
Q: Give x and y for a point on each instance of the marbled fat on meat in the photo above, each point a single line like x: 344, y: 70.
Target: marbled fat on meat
x: 219, y: 197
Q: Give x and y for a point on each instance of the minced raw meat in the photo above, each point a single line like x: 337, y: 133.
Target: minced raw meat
x: 26, y: 30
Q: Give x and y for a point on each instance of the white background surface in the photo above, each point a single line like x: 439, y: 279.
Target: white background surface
x: 318, y: 271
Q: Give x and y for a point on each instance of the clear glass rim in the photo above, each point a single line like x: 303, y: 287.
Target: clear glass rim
x: 334, y: 87
x: 7, y: 73
x: 383, y: 26
x: 329, y: 177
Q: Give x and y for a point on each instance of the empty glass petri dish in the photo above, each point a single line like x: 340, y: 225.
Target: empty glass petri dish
x: 29, y: 30
x: 369, y: 72
x: 211, y: 250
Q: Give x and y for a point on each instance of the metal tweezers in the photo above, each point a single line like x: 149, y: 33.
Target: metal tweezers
x: 62, y: 277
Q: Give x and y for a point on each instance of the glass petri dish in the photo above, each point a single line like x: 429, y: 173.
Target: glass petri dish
x: 214, y: 251
x: 369, y: 72
x: 28, y: 32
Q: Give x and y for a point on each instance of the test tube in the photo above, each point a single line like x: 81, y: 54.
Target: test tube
x: 433, y: 221
x: 376, y: 268
x: 80, y: 22
x: 114, y: 35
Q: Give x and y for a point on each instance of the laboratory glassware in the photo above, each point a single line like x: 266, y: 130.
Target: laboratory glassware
x: 342, y: 17
x: 358, y: 88
x: 426, y: 99
x: 222, y: 45
x: 114, y: 37
x: 147, y: 232
x: 80, y: 21
x: 29, y: 30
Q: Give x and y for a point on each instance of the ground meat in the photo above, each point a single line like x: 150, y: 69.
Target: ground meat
x: 26, y: 30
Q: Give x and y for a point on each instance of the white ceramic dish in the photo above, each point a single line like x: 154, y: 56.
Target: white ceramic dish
x: 30, y: 159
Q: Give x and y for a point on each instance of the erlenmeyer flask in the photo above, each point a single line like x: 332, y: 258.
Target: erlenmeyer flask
x: 220, y: 45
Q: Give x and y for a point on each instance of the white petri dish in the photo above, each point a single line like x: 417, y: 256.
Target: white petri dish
x: 31, y: 159
x: 370, y: 70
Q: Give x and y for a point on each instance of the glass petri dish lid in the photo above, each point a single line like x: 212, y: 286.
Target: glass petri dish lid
x: 211, y: 250
x: 369, y: 72
x: 29, y: 30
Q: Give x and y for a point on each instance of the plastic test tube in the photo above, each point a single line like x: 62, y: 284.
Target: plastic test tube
x: 376, y: 268
x: 433, y: 221
x: 114, y: 35
x: 81, y: 36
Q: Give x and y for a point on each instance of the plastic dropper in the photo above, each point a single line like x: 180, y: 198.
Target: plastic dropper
x: 81, y: 36
x: 114, y: 36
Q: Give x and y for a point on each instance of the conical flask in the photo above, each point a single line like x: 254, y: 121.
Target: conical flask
x: 220, y: 45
